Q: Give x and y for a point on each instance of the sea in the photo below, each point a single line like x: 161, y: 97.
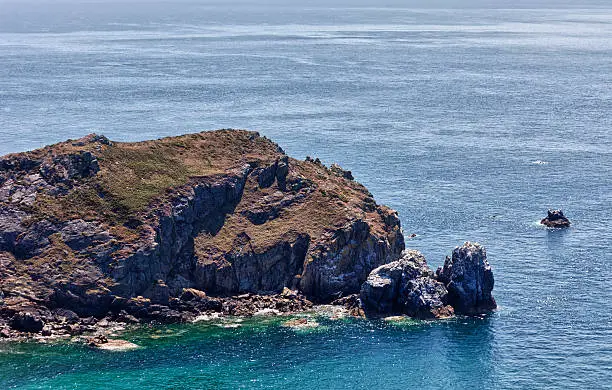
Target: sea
x: 470, y: 118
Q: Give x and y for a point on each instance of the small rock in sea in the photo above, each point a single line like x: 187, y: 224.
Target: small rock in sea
x: 102, y: 342
x: 556, y: 219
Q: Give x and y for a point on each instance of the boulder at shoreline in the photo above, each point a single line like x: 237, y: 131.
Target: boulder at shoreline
x: 406, y: 286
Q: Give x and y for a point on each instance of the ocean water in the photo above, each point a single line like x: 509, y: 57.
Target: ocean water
x: 470, y: 120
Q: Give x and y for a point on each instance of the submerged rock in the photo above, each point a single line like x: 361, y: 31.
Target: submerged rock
x: 301, y: 323
x: 102, y: 342
x: 556, y: 219
x: 406, y: 286
x: 468, y: 278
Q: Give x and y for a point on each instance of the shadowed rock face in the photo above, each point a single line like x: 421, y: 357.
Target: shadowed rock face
x: 406, y: 286
x: 86, y: 225
x: 468, y: 278
x: 556, y: 219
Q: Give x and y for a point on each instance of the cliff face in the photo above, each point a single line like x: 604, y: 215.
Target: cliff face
x: 87, y: 224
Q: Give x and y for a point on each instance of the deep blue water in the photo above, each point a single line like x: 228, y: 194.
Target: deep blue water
x: 471, y: 122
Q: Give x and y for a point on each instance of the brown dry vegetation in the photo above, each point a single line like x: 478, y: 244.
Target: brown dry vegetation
x: 133, y: 174
x: 330, y: 202
x: 136, y: 178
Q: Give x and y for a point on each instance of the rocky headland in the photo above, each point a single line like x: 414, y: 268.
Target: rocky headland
x: 95, y: 233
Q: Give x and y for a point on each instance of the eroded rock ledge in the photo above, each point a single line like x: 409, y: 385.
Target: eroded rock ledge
x: 93, y: 230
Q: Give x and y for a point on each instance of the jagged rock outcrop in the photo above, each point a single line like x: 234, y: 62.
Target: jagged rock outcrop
x: 342, y: 261
x: 337, y: 169
x: 469, y: 280
x: 91, y: 225
x: 556, y: 219
x: 406, y: 286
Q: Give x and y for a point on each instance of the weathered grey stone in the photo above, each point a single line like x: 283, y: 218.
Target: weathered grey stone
x: 35, y: 239
x: 63, y: 168
x: 66, y: 315
x: 282, y: 170
x: 79, y: 234
x: 405, y: 286
x: 244, y: 270
x: 10, y: 228
x: 343, y: 260
x: 160, y: 293
x: 468, y: 277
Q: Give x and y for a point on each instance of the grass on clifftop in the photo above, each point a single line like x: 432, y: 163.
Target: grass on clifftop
x: 133, y: 176
x: 137, y: 173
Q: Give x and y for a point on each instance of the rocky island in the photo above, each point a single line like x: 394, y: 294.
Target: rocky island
x: 94, y: 232
x: 555, y: 219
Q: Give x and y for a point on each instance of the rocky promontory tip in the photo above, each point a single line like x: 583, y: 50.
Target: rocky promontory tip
x: 94, y: 232
x: 556, y: 219
x: 408, y: 286
x: 468, y: 277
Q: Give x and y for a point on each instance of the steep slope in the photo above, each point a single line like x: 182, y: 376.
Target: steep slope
x: 88, y: 224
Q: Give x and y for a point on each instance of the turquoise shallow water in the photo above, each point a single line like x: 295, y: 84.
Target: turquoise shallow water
x: 470, y: 122
x: 264, y: 354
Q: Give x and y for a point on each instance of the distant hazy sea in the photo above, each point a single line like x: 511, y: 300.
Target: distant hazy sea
x: 470, y: 122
